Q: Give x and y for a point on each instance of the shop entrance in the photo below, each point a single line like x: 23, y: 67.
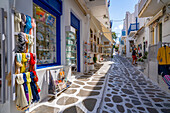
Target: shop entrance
x: 75, y: 22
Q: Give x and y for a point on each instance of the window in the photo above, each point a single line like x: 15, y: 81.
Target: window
x: 45, y: 36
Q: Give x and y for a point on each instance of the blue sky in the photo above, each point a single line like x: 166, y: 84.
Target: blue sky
x: 117, y: 11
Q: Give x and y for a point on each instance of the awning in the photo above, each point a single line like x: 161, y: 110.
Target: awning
x: 160, y: 13
x: 106, y: 33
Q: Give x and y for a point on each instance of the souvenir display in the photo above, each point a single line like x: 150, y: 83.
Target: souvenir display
x: 27, y: 89
x: 58, y: 81
x: 71, y: 48
x: 46, y: 36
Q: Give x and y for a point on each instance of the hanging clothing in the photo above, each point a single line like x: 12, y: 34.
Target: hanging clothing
x: 163, y: 56
x: 21, y: 101
x: 36, y: 80
x: 28, y: 62
x: 28, y: 25
x: 21, y: 43
x: 34, y: 90
x: 25, y: 87
x: 18, y: 63
x: 32, y: 61
x: 33, y: 25
x: 29, y: 86
x: 22, y: 23
x: 24, y: 60
x: 17, y: 19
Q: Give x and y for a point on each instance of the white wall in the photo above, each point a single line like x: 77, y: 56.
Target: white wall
x: 165, y: 30
x: 68, y: 7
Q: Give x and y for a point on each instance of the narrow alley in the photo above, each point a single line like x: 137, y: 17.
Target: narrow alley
x: 116, y: 87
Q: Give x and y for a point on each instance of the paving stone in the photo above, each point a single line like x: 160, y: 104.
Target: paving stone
x: 117, y: 99
x: 78, y: 82
x: 127, y: 99
x: 95, y: 83
x: 70, y: 91
x: 115, y: 89
x: 136, y: 102
x: 110, y: 85
x: 152, y: 90
x: 166, y: 104
x: 148, y: 104
x: 141, y: 108
x: 107, y: 99
x: 66, y: 100
x: 158, y: 105
x: 134, y: 111
x: 128, y: 111
x: 109, y: 95
x: 89, y: 103
x: 129, y: 105
x: 85, y: 93
x: 104, y: 112
x: 126, y: 91
x: 152, y: 110
x: 165, y: 110
x: 74, y: 86
x: 109, y: 104
x: 120, y: 108
x: 73, y: 109
x: 157, y: 100
x: 45, y: 109
x: 114, y: 92
x: 93, y: 88
x: 123, y: 95
x: 112, y: 111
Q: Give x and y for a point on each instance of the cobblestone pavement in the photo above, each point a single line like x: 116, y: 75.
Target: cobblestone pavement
x: 128, y: 90
x: 84, y: 95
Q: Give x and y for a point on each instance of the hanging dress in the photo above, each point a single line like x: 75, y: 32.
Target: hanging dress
x: 21, y: 101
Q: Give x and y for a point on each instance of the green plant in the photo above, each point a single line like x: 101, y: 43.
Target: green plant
x: 140, y: 60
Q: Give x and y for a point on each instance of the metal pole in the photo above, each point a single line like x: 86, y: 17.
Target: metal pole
x: 2, y: 36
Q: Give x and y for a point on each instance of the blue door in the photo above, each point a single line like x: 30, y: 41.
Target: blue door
x: 75, y: 22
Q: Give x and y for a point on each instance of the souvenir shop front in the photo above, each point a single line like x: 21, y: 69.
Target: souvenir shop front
x: 34, y: 69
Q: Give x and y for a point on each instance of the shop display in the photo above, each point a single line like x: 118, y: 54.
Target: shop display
x: 58, y: 81
x: 71, y: 48
x: 46, y: 36
x: 163, y: 58
x: 27, y: 89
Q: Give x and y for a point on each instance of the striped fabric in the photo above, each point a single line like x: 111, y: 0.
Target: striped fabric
x: 166, y: 79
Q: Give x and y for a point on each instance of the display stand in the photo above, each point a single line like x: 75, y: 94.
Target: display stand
x: 71, y: 48
x: 58, y: 81
x: 86, y: 57
x: 13, y: 52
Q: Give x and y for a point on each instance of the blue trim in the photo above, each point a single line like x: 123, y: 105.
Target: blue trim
x: 46, y: 65
x: 48, y: 5
x: 75, y: 22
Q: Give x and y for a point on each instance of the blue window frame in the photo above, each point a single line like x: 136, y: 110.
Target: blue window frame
x: 75, y: 22
x: 55, y: 8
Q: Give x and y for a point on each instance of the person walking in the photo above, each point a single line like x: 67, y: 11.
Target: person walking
x: 134, y: 56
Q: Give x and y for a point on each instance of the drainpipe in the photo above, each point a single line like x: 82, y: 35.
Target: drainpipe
x: 136, y: 23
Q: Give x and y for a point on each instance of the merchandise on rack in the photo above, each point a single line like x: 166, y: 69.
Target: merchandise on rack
x: 27, y: 89
x: 58, y: 81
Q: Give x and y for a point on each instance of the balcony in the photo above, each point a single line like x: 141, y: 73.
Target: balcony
x: 149, y: 8
x: 123, y: 34
x: 133, y: 29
